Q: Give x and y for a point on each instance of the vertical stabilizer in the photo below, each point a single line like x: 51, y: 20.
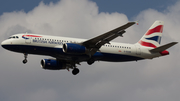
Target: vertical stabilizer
x: 152, y: 37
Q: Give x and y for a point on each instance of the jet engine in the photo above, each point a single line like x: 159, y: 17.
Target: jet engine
x: 52, y: 64
x: 72, y: 48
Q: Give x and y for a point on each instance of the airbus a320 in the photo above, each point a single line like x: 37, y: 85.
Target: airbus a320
x: 67, y: 52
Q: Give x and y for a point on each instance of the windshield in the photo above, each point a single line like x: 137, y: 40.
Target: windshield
x: 14, y: 37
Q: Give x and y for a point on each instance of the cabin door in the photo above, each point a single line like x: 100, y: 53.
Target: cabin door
x: 138, y: 50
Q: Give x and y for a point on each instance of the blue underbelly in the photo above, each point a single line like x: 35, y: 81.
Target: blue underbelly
x: 57, y: 52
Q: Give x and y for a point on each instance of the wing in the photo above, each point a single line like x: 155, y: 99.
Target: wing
x: 95, y: 43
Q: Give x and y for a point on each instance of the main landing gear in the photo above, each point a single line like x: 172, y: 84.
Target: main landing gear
x: 90, y: 61
x: 73, y: 66
x: 75, y: 71
x: 25, y: 60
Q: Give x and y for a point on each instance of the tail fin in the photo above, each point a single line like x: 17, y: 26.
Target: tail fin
x: 152, y: 37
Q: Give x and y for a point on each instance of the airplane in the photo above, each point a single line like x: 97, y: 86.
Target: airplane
x: 67, y: 52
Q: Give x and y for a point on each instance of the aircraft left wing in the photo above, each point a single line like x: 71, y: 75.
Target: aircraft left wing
x: 95, y: 43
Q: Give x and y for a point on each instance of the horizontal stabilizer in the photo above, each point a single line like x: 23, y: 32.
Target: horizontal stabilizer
x: 164, y: 47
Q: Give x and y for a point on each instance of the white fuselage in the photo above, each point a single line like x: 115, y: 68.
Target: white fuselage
x: 52, y: 46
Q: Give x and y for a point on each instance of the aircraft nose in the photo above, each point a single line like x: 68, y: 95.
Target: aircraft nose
x: 4, y: 44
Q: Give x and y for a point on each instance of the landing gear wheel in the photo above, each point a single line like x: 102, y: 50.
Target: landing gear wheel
x: 90, y: 62
x: 25, y: 61
x: 75, y: 71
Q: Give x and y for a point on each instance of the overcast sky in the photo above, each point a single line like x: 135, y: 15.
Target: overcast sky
x: 146, y: 80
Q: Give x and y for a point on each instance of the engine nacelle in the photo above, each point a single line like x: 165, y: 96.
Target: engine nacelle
x: 72, y: 48
x: 52, y: 64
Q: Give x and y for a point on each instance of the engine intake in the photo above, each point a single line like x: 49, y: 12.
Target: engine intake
x: 72, y: 48
x: 52, y: 64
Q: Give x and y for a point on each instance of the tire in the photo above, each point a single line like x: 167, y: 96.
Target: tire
x: 75, y: 71
x: 90, y: 62
x: 24, y: 61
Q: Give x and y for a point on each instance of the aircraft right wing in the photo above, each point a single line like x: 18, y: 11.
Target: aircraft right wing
x: 95, y: 43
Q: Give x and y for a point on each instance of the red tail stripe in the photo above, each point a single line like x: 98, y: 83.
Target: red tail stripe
x: 156, y: 29
x: 147, y: 44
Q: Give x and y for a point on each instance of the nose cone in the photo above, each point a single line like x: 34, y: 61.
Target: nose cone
x: 4, y: 44
x: 8, y: 44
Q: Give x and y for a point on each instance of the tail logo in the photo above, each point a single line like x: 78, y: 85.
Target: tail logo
x: 147, y: 44
x: 155, y: 38
x: 154, y: 30
x: 152, y: 37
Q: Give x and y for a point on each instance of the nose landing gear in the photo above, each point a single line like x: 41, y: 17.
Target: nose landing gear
x: 25, y: 60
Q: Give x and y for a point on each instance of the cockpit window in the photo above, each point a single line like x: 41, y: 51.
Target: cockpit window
x: 14, y: 37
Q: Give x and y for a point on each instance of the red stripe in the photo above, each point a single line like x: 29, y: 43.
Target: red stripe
x: 31, y: 36
x: 165, y: 52
x: 147, y: 44
x: 156, y: 29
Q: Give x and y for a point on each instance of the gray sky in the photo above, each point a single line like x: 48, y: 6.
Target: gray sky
x: 146, y: 80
